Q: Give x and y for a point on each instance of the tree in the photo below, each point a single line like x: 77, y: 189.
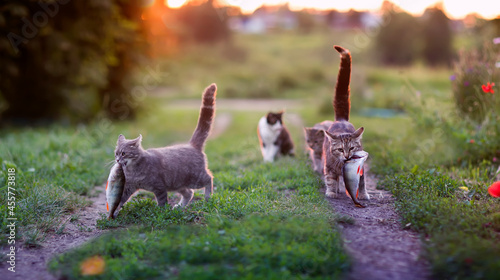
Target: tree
x: 203, y: 22
x: 437, y: 37
x: 59, y: 58
x: 397, y: 41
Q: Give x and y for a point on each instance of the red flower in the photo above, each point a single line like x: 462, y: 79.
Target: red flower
x: 472, y: 141
x: 488, y: 88
x: 494, y: 189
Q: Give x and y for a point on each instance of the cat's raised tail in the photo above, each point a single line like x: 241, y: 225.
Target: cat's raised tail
x: 205, y: 120
x: 341, y: 101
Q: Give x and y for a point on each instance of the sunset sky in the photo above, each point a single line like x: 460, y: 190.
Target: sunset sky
x: 454, y: 8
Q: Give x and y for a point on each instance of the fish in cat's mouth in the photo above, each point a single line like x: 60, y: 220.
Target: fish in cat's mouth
x: 354, y: 157
x: 357, y: 155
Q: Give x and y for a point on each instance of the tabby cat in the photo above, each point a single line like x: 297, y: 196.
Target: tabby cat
x: 314, y: 139
x: 341, y: 140
x: 180, y: 168
x: 274, y: 137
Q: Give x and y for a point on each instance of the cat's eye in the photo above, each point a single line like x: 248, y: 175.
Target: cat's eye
x: 123, y: 153
x: 351, y: 148
x: 340, y: 149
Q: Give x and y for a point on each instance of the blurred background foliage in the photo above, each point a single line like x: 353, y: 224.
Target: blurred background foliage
x: 78, y: 60
x: 63, y: 59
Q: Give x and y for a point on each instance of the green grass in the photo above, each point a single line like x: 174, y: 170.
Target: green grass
x: 263, y: 221
x: 461, y: 227
x: 54, y: 166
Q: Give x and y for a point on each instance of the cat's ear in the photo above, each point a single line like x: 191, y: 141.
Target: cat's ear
x: 358, y: 133
x: 329, y: 135
x: 121, y: 138
x: 307, y: 130
x: 137, y: 141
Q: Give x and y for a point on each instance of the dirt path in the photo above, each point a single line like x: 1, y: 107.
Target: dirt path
x: 80, y: 227
x: 379, y: 248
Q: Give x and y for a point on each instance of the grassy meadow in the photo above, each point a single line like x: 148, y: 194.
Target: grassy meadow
x: 264, y: 220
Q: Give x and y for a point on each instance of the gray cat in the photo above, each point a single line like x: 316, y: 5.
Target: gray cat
x: 180, y: 168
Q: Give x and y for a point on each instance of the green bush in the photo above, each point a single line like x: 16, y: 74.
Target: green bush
x: 474, y: 69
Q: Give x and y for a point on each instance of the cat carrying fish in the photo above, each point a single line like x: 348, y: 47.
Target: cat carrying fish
x: 340, y: 139
x: 181, y: 168
x: 274, y: 137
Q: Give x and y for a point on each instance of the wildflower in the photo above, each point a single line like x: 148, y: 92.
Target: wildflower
x: 497, y: 64
x: 488, y: 88
x: 466, y: 83
x: 496, y: 40
x: 92, y: 266
x: 453, y: 77
x: 472, y: 141
x: 494, y: 189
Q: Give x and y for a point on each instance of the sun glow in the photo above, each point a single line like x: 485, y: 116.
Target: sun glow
x: 454, y: 9
x: 175, y: 3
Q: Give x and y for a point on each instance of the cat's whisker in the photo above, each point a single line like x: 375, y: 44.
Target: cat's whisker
x: 110, y: 163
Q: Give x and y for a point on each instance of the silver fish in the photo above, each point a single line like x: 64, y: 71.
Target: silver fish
x: 114, y: 189
x: 352, y: 170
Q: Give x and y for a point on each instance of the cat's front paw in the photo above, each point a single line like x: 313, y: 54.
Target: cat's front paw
x: 364, y: 195
x: 331, y: 194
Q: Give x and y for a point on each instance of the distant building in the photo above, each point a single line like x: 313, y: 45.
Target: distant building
x: 265, y: 19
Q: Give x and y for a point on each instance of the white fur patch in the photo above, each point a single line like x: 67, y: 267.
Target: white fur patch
x: 268, y: 135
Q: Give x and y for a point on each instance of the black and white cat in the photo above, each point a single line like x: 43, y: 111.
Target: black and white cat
x: 274, y: 138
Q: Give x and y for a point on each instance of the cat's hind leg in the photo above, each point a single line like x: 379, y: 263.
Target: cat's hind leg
x: 187, y: 195
x: 209, y: 188
x: 363, y: 194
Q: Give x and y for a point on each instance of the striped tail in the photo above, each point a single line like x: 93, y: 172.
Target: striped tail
x: 341, y: 101
x: 207, y: 113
